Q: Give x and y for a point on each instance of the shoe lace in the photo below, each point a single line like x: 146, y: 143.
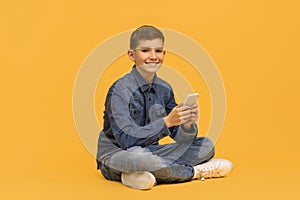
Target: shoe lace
x: 209, y: 172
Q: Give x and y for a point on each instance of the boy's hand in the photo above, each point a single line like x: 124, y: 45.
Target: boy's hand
x: 193, y: 116
x: 182, y: 114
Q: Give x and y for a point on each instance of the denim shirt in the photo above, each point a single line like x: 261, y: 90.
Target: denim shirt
x: 134, y: 112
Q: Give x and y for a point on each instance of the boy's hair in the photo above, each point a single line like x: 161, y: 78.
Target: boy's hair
x: 145, y: 32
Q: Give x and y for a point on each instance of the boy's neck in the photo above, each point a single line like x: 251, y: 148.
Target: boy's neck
x: 146, y: 76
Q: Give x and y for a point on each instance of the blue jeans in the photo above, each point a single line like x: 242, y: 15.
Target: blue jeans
x: 169, y: 163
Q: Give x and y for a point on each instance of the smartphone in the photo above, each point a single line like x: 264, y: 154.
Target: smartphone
x: 191, y: 99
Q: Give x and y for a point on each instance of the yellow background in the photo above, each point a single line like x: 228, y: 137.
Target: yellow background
x: 255, y: 45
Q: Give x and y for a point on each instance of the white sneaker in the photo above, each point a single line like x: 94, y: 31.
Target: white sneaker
x: 138, y: 180
x: 213, y: 169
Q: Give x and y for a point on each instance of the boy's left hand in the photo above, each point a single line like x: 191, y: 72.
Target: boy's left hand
x: 194, y: 115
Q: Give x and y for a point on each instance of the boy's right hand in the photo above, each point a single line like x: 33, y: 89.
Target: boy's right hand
x: 179, y: 115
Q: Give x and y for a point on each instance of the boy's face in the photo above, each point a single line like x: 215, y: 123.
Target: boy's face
x: 148, y: 56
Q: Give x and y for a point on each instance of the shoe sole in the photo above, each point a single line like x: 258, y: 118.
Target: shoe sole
x: 224, y: 167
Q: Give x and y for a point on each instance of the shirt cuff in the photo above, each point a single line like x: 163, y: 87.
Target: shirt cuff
x: 192, y: 130
x: 184, y: 135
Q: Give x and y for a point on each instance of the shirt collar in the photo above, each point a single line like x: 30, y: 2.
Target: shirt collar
x: 141, y: 82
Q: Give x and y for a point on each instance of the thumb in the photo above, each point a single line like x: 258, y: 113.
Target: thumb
x: 180, y: 105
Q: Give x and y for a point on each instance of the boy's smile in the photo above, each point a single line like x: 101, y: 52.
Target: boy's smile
x: 148, y: 57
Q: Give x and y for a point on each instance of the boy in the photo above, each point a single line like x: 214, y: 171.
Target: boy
x: 140, y: 109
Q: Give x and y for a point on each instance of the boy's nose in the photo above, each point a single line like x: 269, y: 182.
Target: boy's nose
x: 153, y: 54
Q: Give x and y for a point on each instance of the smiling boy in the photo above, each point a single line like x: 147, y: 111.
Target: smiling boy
x: 140, y: 109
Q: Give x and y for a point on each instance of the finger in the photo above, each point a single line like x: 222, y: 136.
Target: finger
x: 195, y: 110
x: 185, y: 113
x: 193, y: 118
x: 184, y: 108
x: 185, y: 117
x: 176, y: 109
x: 184, y: 121
x: 179, y: 105
x: 194, y: 114
x: 194, y: 105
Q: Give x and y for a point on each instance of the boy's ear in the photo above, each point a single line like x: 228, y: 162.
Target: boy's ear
x: 130, y: 54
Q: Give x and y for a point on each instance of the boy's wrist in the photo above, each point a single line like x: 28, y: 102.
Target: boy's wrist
x: 167, y: 122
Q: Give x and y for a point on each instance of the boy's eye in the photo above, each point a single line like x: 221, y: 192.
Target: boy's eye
x: 149, y: 50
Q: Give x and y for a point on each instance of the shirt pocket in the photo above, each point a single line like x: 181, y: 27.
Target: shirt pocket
x: 156, y: 112
x: 161, y: 112
x: 137, y: 115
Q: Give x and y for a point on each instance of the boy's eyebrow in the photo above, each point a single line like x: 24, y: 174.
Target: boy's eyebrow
x: 148, y: 47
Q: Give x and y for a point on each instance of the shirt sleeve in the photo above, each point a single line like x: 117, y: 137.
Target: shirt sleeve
x: 126, y: 132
